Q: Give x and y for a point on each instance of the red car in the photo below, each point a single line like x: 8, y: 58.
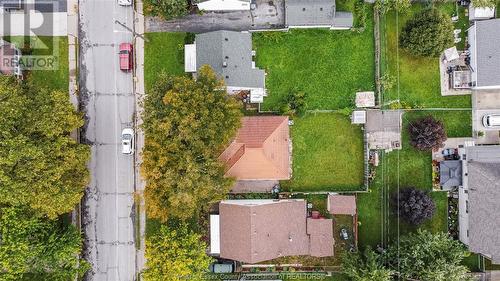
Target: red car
x: 126, y: 57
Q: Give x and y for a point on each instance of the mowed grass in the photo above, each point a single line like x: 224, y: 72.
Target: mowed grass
x: 163, y: 52
x: 330, y: 66
x: 419, y: 79
x: 327, y: 154
x: 407, y: 168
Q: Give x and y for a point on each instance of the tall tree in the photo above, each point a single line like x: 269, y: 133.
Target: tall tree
x: 37, y: 247
x: 413, y: 205
x: 427, y: 256
x: 427, y: 133
x: 175, y: 255
x: 187, y: 124
x: 40, y: 165
x: 365, y: 266
x: 428, y: 33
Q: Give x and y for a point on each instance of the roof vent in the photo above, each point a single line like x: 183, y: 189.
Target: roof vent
x: 224, y: 64
x: 226, y: 57
x: 226, y: 39
x: 303, y: 9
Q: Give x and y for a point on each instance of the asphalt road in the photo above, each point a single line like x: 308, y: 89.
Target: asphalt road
x: 106, y: 97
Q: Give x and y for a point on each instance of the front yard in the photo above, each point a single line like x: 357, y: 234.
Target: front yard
x: 419, y: 80
x: 327, y: 154
x: 330, y: 66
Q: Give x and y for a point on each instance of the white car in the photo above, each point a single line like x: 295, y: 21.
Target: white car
x: 128, y: 141
x: 491, y: 121
x: 125, y: 2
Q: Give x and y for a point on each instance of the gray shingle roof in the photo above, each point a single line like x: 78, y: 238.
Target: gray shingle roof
x: 450, y: 173
x: 484, y: 208
x: 343, y: 19
x: 309, y: 12
x: 488, y: 52
x: 229, y: 53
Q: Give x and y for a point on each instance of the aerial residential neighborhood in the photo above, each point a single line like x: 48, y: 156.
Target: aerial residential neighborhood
x: 249, y: 140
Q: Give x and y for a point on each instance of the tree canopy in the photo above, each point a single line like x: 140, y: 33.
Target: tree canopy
x: 427, y: 133
x: 175, y: 254
x: 31, y: 246
x: 413, y: 205
x: 40, y: 165
x: 187, y: 125
x: 365, y: 266
x: 427, y: 256
x: 484, y: 3
x: 428, y: 33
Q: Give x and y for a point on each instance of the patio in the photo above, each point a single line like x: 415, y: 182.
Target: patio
x: 455, y: 73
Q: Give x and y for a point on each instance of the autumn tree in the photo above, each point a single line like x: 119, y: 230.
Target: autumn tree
x: 41, y: 166
x: 413, y: 205
x: 187, y: 125
x: 175, y: 254
x: 427, y: 256
x: 427, y: 133
x: 166, y: 9
x: 428, y: 33
x: 365, y: 266
x: 38, y: 247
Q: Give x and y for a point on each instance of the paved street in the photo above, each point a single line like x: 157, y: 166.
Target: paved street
x: 106, y: 96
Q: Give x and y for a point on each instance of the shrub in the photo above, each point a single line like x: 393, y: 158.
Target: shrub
x: 294, y: 104
x: 413, y: 205
x: 427, y: 134
x: 166, y: 9
x: 428, y: 33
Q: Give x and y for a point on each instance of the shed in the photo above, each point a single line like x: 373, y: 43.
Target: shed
x: 365, y: 99
x: 358, y: 117
x: 341, y: 204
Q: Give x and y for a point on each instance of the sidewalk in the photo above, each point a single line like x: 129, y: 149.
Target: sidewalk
x: 139, y: 96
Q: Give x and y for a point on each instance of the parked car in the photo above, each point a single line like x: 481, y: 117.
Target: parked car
x: 491, y: 121
x: 343, y: 234
x: 127, y: 141
x: 126, y: 57
x: 125, y: 2
x: 222, y: 267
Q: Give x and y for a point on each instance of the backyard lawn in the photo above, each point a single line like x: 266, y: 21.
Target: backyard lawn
x: 327, y: 154
x: 406, y: 168
x: 330, y: 66
x: 164, y: 52
x: 419, y: 80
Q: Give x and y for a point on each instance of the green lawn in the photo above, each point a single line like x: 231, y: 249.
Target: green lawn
x: 327, y: 154
x: 419, y: 81
x: 330, y: 66
x: 404, y: 168
x: 164, y: 52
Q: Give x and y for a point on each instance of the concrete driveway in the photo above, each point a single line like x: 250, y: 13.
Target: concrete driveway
x: 267, y: 15
x: 485, y: 102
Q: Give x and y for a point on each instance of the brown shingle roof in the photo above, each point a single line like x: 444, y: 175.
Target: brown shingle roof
x: 260, y: 150
x: 321, y: 237
x: 342, y: 204
x: 253, y: 231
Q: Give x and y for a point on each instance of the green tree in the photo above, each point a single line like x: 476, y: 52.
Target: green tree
x: 31, y: 246
x: 40, y: 165
x: 400, y: 6
x: 187, y: 124
x: 365, y: 266
x: 294, y: 104
x: 428, y: 33
x: 175, y: 255
x: 484, y: 3
x: 427, y: 256
x: 166, y: 9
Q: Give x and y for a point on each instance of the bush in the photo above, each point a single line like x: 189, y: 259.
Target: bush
x: 360, y: 11
x: 294, y: 104
x: 166, y: 9
x: 427, y: 134
x: 428, y: 33
x: 413, y: 205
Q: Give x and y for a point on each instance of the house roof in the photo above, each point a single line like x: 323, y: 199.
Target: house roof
x: 450, y: 173
x: 309, y: 12
x: 484, y: 208
x: 260, y: 150
x: 258, y: 230
x: 253, y: 231
x: 320, y: 233
x: 229, y: 53
x: 343, y: 20
x: 487, y: 52
x: 341, y: 204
